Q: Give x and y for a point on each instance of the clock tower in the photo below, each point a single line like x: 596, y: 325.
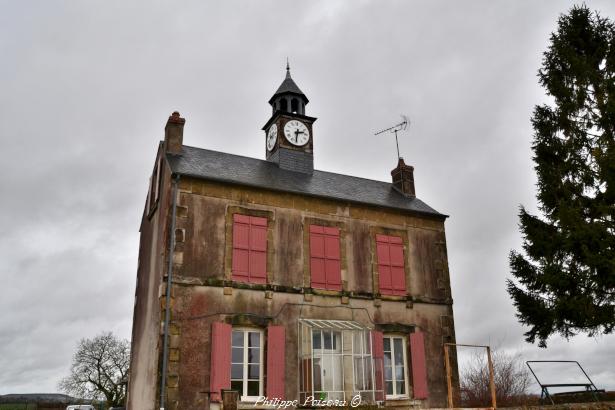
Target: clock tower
x: 289, y: 140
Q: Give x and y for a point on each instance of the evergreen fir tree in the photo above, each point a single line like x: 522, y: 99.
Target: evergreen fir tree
x: 565, y: 278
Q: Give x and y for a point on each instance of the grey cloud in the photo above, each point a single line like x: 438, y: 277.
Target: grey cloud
x: 86, y: 89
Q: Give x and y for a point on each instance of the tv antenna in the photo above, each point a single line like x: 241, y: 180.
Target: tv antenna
x: 395, y: 128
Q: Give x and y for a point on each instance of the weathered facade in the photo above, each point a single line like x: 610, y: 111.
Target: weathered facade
x: 286, y: 282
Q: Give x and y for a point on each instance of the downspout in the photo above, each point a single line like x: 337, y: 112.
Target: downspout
x: 167, y: 313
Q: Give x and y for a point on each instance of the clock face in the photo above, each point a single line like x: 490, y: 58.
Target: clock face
x: 272, y: 136
x: 296, y: 133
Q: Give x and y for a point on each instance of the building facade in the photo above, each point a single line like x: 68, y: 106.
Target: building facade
x: 281, y: 282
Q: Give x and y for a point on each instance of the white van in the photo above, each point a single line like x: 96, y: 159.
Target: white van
x: 80, y: 407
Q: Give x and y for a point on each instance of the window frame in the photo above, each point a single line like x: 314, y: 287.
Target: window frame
x: 404, y: 344
x: 154, y: 187
x: 245, y: 365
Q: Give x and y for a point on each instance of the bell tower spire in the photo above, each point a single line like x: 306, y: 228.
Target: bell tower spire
x: 289, y: 140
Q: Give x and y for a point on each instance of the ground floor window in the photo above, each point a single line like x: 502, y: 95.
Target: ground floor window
x: 336, y: 360
x: 247, y: 363
x: 395, y: 370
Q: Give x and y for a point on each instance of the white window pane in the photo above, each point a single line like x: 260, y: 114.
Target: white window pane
x: 237, y: 355
x: 398, y: 351
x: 399, y: 373
x: 358, y: 373
x: 368, y: 373
x: 253, y: 371
x: 400, y: 388
x: 317, y: 374
x: 237, y: 371
x: 254, y: 339
x: 237, y: 385
x: 387, y: 344
x: 337, y: 371
x: 254, y: 355
x: 237, y: 339
x: 358, y: 345
x: 327, y: 373
x: 337, y: 342
x: 389, y: 387
x: 368, y: 345
x: 388, y: 373
x: 253, y: 388
x: 326, y: 336
x: 316, y: 340
x: 387, y: 359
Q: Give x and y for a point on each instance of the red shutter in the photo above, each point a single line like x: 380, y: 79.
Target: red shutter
x: 325, y: 257
x: 276, y: 341
x: 332, y: 264
x: 249, y: 249
x: 398, y: 274
x: 390, y: 253
x: 419, y: 366
x: 378, y: 355
x: 241, y: 247
x: 258, y: 250
x: 220, y: 372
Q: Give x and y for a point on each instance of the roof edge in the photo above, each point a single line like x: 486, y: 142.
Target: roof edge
x: 436, y: 215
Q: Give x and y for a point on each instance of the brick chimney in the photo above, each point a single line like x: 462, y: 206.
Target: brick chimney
x: 403, y: 178
x: 174, y: 133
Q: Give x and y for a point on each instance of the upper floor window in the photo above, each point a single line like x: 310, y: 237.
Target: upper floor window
x: 153, y: 194
x: 325, y: 257
x: 395, y: 370
x: 247, y: 363
x: 390, y: 254
x: 249, y: 248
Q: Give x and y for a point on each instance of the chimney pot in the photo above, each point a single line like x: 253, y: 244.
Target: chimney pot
x: 403, y: 178
x: 174, y: 133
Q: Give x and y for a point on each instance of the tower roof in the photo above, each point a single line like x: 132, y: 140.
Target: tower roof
x: 288, y: 86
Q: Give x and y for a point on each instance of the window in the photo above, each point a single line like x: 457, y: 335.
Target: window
x: 325, y: 257
x: 249, y: 249
x: 335, y: 359
x: 390, y: 253
x: 246, y: 363
x: 153, y: 193
x: 395, y: 370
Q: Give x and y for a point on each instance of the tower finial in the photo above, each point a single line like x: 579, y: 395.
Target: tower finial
x: 287, y: 68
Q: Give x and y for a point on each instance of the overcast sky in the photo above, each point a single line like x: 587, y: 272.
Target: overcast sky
x: 86, y: 88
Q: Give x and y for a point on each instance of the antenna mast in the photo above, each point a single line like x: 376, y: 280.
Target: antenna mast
x: 395, y: 128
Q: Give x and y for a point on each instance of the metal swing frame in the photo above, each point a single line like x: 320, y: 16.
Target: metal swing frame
x: 590, y: 387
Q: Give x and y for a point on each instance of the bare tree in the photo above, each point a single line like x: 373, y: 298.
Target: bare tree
x: 99, y: 369
x: 511, y: 376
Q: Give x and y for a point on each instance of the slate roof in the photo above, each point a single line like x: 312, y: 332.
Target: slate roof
x: 288, y: 86
x: 235, y: 169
